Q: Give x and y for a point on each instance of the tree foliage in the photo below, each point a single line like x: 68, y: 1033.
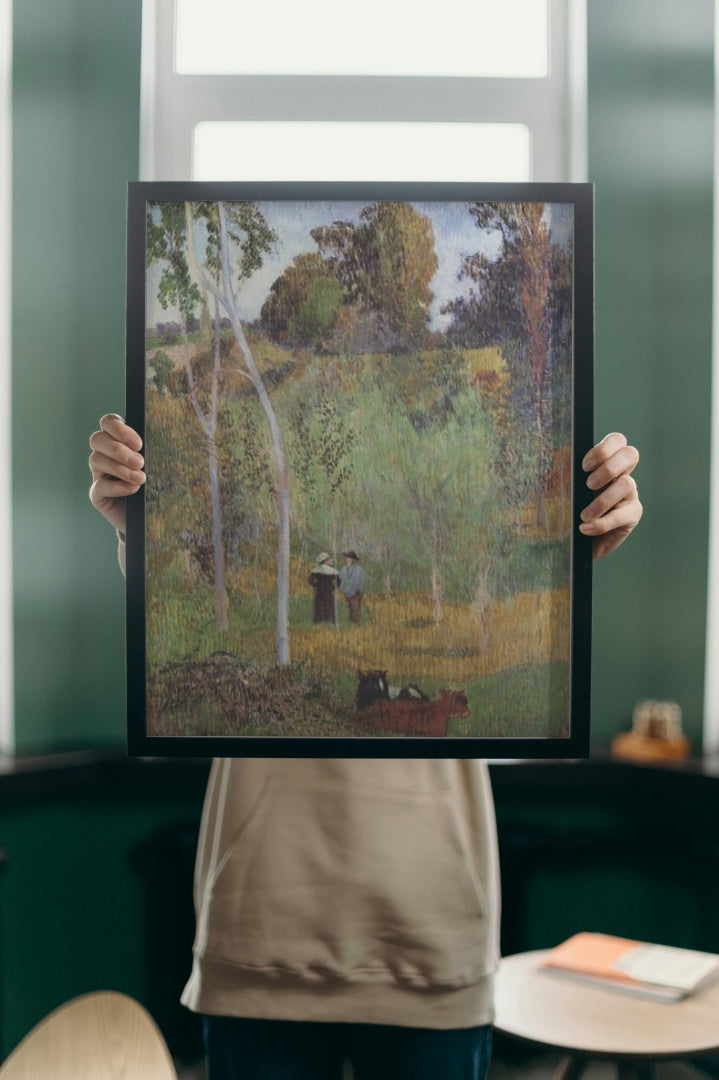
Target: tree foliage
x: 385, y: 264
x: 171, y: 228
x: 521, y: 300
x: 421, y: 484
x: 303, y: 302
x: 166, y: 244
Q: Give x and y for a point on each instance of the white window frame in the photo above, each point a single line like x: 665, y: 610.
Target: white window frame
x: 553, y: 108
x: 7, y: 711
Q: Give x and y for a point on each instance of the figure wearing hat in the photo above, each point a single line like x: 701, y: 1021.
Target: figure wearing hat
x: 323, y: 579
x: 352, y: 584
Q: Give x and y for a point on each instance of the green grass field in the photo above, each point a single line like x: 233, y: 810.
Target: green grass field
x: 202, y: 681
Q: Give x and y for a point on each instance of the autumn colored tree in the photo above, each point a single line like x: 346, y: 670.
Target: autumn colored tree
x: 386, y: 264
x: 401, y: 261
x: 521, y: 302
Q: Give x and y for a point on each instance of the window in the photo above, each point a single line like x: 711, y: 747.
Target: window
x: 465, y: 90
x: 481, y: 39
x: 362, y: 150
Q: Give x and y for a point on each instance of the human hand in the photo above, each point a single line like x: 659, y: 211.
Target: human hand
x: 616, y: 510
x: 116, y: 467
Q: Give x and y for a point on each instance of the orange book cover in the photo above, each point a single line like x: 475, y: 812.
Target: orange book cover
x: 593, y: 954
x: 661, y: 971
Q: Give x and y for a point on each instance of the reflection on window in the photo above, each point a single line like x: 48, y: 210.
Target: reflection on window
x: 323, y: 37
x: 279, y: 150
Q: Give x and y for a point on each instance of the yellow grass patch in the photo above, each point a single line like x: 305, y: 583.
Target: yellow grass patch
x: 556, y: 519
x: 484, y: 360
x: 400, y: 636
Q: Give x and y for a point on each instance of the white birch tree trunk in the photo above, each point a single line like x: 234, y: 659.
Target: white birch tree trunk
x: 226, y: 296
x: 437, y: 585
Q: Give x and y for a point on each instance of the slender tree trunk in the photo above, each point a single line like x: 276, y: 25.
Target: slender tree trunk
x: 535, y: 298
x: 437, y: 587
x: 482, y: 600
x: 436, y: 595
x: 209, y: 426
x: 225, y: 294
x: 256, y: 562
x: 539, y: 365
x: 278, y: 451
x: 217, y: 545
x: 282, y: 496
x: 333, y: 545
x: 217, y: 541
x: 538, y: 492
x: 562, y: 495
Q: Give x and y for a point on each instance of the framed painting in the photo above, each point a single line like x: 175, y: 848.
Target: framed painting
x: 364, y: 408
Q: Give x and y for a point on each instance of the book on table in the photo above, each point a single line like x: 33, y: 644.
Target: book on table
x: 661, y: 972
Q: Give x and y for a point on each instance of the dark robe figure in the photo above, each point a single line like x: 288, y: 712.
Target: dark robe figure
x: 323, y: 579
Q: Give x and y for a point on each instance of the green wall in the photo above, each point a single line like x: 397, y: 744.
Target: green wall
x: 76, y: 91
x: 651, y: 148
x: 75, y: 110
x: 76, y: 901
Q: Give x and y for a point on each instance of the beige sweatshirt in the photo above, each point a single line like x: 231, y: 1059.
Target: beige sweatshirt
x: 347, y: 890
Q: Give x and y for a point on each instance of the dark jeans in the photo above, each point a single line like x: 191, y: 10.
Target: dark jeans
x: 240, y: 1049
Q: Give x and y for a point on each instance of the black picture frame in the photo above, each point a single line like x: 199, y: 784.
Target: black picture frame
x: 538, y: 708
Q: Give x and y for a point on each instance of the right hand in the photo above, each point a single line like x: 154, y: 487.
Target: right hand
x: 116, y: 466
x: 616, y: 510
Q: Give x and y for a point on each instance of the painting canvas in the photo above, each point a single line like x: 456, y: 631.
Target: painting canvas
x: 363, y: 408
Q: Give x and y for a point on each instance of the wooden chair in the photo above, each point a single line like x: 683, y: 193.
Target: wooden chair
x: 99, y: 1036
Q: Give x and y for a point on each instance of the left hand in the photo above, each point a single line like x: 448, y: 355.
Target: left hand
x: 616, y: 510
x: 117, y: 468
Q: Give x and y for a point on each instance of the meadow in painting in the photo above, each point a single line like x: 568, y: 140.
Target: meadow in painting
x: 359, y: 468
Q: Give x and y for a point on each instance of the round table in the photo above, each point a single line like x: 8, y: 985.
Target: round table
x: 587, y: 1022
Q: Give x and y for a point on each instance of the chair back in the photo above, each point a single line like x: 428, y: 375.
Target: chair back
x: 99, y: 1036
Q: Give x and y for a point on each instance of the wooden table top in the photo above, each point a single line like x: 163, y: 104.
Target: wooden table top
x: 570, y: 1015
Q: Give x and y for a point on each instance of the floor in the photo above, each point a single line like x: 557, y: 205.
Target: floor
x: 509, y: 1064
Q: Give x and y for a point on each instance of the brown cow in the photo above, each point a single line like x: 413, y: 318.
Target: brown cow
x: 400, y: 717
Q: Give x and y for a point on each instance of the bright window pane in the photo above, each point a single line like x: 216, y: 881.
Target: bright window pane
x: 378, y: 37
x: 279, y: 150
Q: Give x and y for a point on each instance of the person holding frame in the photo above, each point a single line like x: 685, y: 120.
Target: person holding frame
x: 348, y: 909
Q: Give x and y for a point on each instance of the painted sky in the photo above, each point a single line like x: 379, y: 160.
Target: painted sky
x: 455, y: 232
